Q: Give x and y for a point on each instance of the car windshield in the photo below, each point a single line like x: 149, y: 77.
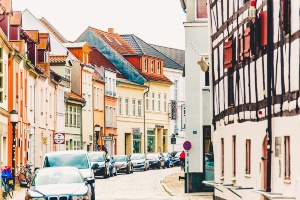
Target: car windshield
x: 75, y: 160
x: 120, y: 158
x: 152, y: 155
x: 96, y: 157
x: 58, y: 176
x: 137, y: 156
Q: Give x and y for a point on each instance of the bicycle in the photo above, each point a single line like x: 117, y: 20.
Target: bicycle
x: 25, y: 173
x: 6, y: 182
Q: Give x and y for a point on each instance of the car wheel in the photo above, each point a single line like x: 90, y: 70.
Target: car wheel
x: 145, y: 168
x: 127, y: 170
x: 115, y: 173
x: 131, y: 169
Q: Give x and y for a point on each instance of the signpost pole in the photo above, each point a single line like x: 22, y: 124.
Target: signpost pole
x: 187, y: 171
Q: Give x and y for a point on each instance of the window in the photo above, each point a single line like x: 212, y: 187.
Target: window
x: 158, y: 67
x: 120, y: 105
x: 127, y: 107
x: 158, y: 101
x: 147, y: 101
x: 234, y: 155
x: 286, y: 16
x: 152, y: 66
x: 151, y: 141
x: 222, y: 157
x: 207, y: 78
x: 229, y: 53
x: 146, y: 65
x: 153, y: 101
x: 175, y: 89
x: 139, y: 108
x: 133, y: 107
x: 287, y: 157
x: 165, y: 102
x: 230, y: 87
x: 248, y: 156
x: 72, y: 116
x: 114, y: 118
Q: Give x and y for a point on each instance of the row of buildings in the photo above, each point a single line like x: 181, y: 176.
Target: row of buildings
x: 104, y: 89
x: 254, y: 65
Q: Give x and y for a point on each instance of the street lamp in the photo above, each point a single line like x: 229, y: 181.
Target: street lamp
x: 13, y: 120
x: 96, y: 130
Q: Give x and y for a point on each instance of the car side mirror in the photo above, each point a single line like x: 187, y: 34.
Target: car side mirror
x: 23, y: 184
x: 95, y: 166
x: 107, y: 160
x: 90, y: 181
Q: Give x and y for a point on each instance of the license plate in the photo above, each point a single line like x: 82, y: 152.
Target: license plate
x: 10, y: 182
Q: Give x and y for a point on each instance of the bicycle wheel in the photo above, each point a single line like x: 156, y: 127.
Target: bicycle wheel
x: 22, y: 177
x: 10, y: 191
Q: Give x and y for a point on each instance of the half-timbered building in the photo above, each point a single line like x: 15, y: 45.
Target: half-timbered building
x: 255, y: 75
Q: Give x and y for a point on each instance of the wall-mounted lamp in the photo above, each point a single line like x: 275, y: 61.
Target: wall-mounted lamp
x: 252, y: 9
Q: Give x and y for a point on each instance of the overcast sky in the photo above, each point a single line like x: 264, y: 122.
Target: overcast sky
x: 157, y: 22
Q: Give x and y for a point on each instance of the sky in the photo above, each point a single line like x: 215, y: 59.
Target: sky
x: 158, y: 22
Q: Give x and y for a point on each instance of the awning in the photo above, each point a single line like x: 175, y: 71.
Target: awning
x: 272, y: 195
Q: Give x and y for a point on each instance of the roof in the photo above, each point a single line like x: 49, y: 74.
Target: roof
x: 16, y: 19
x: 115, y: 41
x: 34, y: 35
x: 44, y: 41
x: 73, y: 96
x: 7, y: 4
x: 177, y: 55
x: 57, y: 58
x: 98, y: 59
x: 142, y: 47
x: 53, y: 30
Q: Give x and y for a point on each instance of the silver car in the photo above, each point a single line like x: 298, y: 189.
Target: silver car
x: 139, y: 161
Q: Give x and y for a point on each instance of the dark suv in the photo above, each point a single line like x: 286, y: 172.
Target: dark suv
x: 156, y: 160
x: 100, y: 162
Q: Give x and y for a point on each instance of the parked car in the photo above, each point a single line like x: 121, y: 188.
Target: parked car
x: 98, y: 158
x: 168, y: 160
x: 156, y: 160
x: 124, y: 164
x: 73, y: 158
x: 59, y: 183
x: 176, y: 160
x: 112, y: 166
x: 139, y: 161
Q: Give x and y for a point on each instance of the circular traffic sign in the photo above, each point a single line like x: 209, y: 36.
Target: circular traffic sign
x: 187, y: 145
x: 59, y: 138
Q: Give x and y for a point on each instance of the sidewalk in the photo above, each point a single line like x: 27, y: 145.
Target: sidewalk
x: 174, y: 187
x: 19, y: 193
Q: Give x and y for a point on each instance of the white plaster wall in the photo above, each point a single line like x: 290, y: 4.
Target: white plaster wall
x: 196, y: 45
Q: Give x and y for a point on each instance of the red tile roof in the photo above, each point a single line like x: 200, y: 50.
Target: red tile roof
x: 115, y: 41
x: 52, y: 30
x: 34, y: 35
x: 75, y: 96
x: 98, y: 59
x: 57, y: 58
x: 7, y: 4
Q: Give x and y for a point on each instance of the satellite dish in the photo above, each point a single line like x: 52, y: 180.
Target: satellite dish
x: 203, y: 65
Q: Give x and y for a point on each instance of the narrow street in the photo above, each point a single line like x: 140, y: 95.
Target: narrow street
x: 141, y: 185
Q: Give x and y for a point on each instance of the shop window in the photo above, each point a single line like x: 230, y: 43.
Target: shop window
x: 248, y: 156
x: 229, y: 53
x: 263, y: 28
x: 287, y: 157
x: 286, y: 16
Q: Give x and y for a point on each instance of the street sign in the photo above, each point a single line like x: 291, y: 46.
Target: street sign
x: 59, y: 138
x: 187, y: 145
x: 173, y: 140
x: 106, y: 138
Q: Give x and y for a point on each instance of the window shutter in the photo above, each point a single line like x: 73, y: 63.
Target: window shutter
x: 285, y: 13
x: 263, y: 27
x: 241, y: 47
x: 247, y: 42
x: 228, y: 54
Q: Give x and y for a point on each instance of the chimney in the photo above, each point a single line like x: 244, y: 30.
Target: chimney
x: 111, y: 30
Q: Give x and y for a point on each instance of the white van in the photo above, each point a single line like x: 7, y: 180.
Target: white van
x: 73, y: 158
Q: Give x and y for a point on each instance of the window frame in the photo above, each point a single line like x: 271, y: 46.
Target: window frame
x: 248, y: 157
x: 287, y: 158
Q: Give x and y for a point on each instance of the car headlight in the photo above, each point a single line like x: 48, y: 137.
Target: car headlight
x: 84, y: 197
x: 143, y: 162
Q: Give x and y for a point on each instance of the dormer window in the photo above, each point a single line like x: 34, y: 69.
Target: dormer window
x: 146, y: 65
x: 158, y: 68
x: 152, y: 66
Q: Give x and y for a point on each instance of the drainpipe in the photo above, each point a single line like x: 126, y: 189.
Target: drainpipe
x: 270, y: 65
x: 81, y: 136
x: 144, y: 110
